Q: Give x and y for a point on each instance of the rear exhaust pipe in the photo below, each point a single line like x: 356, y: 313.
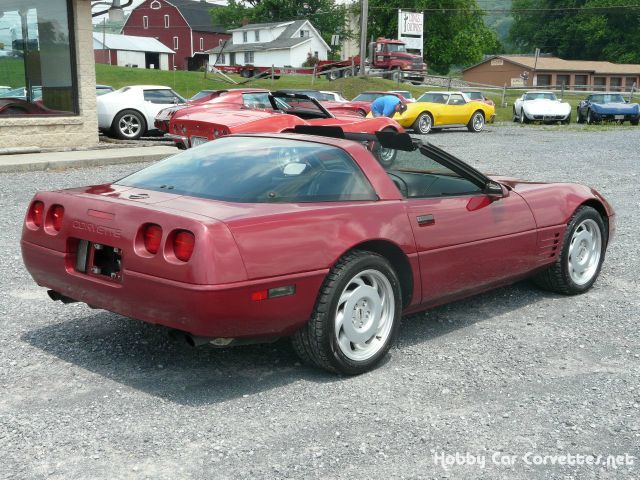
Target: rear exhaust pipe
x: 57, y: 296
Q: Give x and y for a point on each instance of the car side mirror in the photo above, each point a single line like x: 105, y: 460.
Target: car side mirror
x: 495, y: 190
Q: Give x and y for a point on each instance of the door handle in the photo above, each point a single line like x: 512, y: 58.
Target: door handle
x: 425, y: 220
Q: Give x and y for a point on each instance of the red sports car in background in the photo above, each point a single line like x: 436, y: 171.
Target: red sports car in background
x: 235, y: 99
x: 252, y: 237
x: 201, y: 123
x: 362, y: 103
x: 16, y: 106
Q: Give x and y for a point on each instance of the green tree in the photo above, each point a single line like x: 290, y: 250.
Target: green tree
x: 578, y: 29
x: 454, y: 30
x: 327, y: 16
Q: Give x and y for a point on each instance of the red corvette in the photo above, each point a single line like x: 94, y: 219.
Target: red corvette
x: 362, y: 103
x: 276, y: 112
x: 16, y: 106
x: 252, y: 237
x: 232, y: 99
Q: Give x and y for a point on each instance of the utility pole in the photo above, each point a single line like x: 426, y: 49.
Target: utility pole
x: 364, y: 19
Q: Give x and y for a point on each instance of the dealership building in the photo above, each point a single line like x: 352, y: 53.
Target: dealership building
x: 553, y: 72
x: 47, y: 59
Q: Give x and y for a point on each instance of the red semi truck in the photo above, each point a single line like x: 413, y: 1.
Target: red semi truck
x: 389, y: 57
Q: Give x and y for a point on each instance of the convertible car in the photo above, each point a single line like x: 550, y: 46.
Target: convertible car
x: 539, y: 106
x: 599, y: 107
x: 434, y: 111
x: 253, y: 237
x: 277, y: 112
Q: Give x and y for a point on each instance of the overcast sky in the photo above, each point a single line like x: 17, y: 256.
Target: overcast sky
x: 138, y: 2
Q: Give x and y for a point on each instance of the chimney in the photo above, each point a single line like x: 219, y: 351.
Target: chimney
x: 245, y: 21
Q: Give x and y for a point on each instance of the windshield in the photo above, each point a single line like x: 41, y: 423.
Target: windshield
x: 368, y: 96
x: 474, y: 95
x: 607, y: 98
x: 302, y: 107
x: 203, y: 94
x: 404, y: 93
x: 540, y: 96
x: 396, y: 47
x: 258, y: 170
x: 434, y: 97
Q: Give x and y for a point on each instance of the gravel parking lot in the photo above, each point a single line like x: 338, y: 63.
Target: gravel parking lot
x: 515, y: 377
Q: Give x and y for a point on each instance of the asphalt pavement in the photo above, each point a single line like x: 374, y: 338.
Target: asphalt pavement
x: 512, y: 384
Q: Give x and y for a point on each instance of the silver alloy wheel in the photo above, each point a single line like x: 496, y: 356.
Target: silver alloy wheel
x: 478, y: 122
x: 129, y: 125
x: 364, y: 315
x: 585, y: 250
x: 386, y: 156
x: 424, y: 123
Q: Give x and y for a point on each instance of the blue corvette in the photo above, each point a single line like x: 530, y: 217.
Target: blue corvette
x: 600, y: 107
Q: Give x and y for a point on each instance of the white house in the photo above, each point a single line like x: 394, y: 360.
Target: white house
x: 264, y: 44
x: 130, y: 51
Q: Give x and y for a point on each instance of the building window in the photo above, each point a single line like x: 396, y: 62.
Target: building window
x: 166, y: 21
x: 629, y: 82
x: 155, y: 5
x: 563, y: 80
x: 304, y: 33
x: 220, y: 59
x: 201, y: 44
x: 257, y: 34
x: 248, y: 57
x: 244, y: 37
x: 315, y: 54
x: 175, y: 43
x: 145, y: 22
x: 615, y: 84
x: 582, y: 82
x: 543, y: 80
x: 600, y: 83
x: 39, y: 66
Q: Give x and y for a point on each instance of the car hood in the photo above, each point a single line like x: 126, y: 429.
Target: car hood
x: 543, y: 106
x: 222, y: 116
x: 616, y: 107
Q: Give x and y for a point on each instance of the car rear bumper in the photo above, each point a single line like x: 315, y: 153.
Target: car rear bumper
x: 225, y: 310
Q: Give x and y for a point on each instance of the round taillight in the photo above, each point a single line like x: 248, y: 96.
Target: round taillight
x: 152, y: 235
x: 183, y: 242
x: 37, y: 211
x: 57, y: 213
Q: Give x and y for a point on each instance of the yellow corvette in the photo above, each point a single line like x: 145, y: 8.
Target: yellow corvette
x: 436, y: 110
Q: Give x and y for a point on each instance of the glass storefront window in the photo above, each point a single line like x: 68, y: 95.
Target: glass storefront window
x: 37, y: 58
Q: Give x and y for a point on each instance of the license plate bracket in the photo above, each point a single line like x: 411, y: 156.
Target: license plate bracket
x: 99, y: 260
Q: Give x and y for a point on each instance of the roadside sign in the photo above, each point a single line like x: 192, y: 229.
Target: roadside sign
x: 411, y: 29
x: 335, y: 40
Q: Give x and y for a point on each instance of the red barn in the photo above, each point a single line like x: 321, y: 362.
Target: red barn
x: 182, y: 25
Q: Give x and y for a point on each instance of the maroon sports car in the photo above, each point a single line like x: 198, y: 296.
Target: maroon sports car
x: 266, y: 235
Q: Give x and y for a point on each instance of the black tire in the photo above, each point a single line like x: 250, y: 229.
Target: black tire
x: 244, y: 73
x: 523, y: 117
x: 332, y: 74
x: 129, y: 125
x: 514, y: 116
x: 557, y: 277
x: 347, y: 73
x: 566, y: 121
x: 385, y: 156
x: 590, y: 119
x: 362, y: 113
x: 423, y: 123
x: 317, y: 342
x: 634, y: 122
x: 476, y: 123
x: 579, y: 117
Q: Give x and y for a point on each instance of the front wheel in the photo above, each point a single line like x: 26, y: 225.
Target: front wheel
x: 590, y: 118
x: 634, y: 122
x: 523, y: 117
x: 567, y: 120
x: 579, y: 117
x: 583, y: 248
x: 356, y: 316
x: 423, y: 123
x: 332, y: 74
x: 476, y: 123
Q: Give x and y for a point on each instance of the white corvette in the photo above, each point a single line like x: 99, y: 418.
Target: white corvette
x: 130, y: 112
x: 539, y: 106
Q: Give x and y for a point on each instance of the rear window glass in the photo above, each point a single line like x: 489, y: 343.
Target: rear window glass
x: 258, y: 170
x: 368, y: 97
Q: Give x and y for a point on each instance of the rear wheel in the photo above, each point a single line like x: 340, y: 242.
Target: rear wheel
x: 347, y: 73
x: 476, y: 123
x: 333, y: 74
x: 423, y: 123
x: 578, y: 265
x: 129, y: 125
x: 356, y: 316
